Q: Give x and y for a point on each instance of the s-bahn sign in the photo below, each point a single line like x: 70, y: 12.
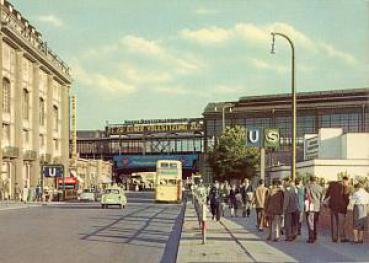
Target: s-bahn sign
x: 268, y: 138
x: 156, y: 126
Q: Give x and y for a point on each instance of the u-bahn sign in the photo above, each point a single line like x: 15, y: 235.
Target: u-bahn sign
x: 53, y: 170
x: 267, y: 138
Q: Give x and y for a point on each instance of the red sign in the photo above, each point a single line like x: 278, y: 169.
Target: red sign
x: 68, y: 180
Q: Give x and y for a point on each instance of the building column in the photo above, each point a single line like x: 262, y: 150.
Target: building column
x: 18, y: 162
x: 36, y: 170
x: 1, y: 115
x: 64, y: 140
x: 49, y: 123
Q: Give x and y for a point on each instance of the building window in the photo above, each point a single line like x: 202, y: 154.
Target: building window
x: 42, y: 140
x: 56, y: 145
x: 41, y: 112
x: 25, y: 136
x: 55, y: 118
x: 25, y: 104
x: 6, y: 134
x: 6, y: 95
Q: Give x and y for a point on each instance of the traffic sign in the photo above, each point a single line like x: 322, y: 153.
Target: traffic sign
x: 53, y: 170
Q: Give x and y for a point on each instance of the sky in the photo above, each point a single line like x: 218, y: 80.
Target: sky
x: 145, y: 59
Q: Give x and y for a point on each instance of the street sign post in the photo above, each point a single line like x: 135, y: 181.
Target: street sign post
x: 262, y: 138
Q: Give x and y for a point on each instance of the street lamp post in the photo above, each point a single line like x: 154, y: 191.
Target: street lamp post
x: 293, y: 107
x: 224, y: 106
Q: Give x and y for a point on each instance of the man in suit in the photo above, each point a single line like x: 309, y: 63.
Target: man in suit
x: 290, y: 210
x: 313, y: 197
x: 259, y: 200
x: 337, y: 197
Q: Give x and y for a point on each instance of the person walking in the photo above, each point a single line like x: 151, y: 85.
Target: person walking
x: 274, y: 210
x: 232, y: 201
x: 214, y: 198
x: 290, y: 210
x: 18, y: 192
x: 261, y: 193
x: 313, y: 197
x: 337, y: 199
x: 360, y: 201
x: 223, y: 198
x: 300, y: 191
x: 247, y: 195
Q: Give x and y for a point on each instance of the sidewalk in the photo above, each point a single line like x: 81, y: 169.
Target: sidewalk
x: 219, y: 247
x: 11, y: 204
x: 251, y: 245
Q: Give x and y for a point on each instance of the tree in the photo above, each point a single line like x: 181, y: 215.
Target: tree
x: 230, y: 158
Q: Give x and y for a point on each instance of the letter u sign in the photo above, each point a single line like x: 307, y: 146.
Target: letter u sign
x: 52, y: 171
x: 253, y: 138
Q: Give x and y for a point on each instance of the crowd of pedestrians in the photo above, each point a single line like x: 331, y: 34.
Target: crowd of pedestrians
x: 284, y: 205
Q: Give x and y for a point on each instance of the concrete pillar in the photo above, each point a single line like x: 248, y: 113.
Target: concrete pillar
x: 262, y: 163
x: 36, y: 168
x: 64, y: 142
x: 49, y: 123
x: 18, y: 92
x: 1, y: 108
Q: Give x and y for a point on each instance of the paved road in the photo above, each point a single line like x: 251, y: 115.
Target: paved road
x: 143, y: 232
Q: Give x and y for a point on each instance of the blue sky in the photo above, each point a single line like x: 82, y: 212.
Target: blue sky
x: 167, y: 59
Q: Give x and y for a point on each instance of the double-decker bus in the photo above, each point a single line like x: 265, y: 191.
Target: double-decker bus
x: 168, y: 183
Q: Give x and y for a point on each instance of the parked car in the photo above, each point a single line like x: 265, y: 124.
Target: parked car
x: 113, y: 196
x: 88, y: 195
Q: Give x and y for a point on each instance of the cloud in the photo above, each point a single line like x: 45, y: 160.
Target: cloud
x: 173, y: 90
x: 51, y: 20
x: 207, y: 36
x: 261, y: 64
x: 101, y: 81
x: 141, y: 45
x: 332, y: 52
x: 225, y: 89
x: 205, y: 11
x: 140, y: 76
x: 261, y: 35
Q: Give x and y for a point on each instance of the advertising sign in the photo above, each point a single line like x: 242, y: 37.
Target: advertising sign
x: 189, y: 161
x: 53, y: 170
x: 191, y: 125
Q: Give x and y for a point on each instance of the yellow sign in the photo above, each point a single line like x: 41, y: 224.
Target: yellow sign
x: 155, y: 128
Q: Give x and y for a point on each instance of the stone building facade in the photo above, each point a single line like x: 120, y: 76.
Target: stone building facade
x: 35, y: 86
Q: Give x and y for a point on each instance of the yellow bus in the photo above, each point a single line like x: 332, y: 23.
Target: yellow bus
x: 168, y: 183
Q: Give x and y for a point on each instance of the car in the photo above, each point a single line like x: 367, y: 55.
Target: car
x: 88, y: 195
x: 113, y: 196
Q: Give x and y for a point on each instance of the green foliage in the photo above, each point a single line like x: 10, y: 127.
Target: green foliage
x: 230, y: 158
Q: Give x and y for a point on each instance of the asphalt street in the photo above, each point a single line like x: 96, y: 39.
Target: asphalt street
x: 142, y: 232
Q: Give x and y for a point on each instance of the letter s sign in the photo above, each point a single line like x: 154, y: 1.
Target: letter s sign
x: 271, y: 138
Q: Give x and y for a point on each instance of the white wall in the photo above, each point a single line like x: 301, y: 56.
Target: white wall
x: 329, y: 169
x: 330, y: 143
x: 355, y: 146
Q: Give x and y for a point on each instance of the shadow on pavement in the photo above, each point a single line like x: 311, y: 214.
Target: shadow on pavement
x: 321, y: 251
x: 149, y: 226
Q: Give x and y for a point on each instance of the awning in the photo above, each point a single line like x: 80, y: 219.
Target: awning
x: 74, y: 174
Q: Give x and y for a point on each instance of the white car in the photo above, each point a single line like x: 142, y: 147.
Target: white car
x: 88, y: 195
